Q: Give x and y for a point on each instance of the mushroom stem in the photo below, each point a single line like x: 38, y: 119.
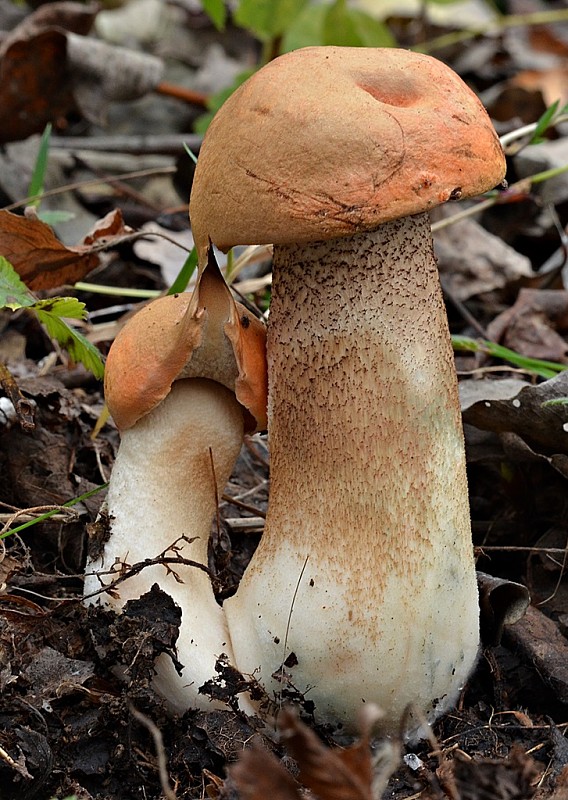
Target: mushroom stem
x: 365, y: 570
x: 171, y: 466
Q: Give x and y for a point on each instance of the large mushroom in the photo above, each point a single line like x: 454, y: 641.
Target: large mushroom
x: 184, y: 379
x: 363, y: 586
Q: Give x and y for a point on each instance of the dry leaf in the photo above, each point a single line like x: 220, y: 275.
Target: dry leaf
x: 331, y: 774
x: 34, y: 85
x: 477, y: 779
x: 47, y: 70
x: 472, y: 261
x: 533, y: 415
x: 102, y: 73
x: 41, y: 260
x: 109, y: 228
x: 68, y: 16
x: 258, y: 775
x: 533, y: 324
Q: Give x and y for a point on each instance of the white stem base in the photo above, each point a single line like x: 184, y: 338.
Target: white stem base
x: 162, y: 488
x: 365, y: 572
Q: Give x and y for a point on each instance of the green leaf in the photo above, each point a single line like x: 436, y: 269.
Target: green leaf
x: 306, y: 30
x: 339, y: 27
x: 349, y: 27
x: 55, y: 216
x: 79, y: 348
x: 267, y: 18
x: 216, y: 11
x: 373, y: 32
x: 35, y: 188
x: 62, y: 307
x: 185, y: 273
x: 14, y: 293
x: 546, y: 120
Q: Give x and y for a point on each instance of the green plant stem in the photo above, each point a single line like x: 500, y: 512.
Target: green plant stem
x: 526, y: 130
x: 117, y: 291
x: 537, y: 366
x: 499, y: 197
x: 54, y: 511
x: 499, y: 24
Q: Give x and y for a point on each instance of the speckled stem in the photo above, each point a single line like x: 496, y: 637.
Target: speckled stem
x: 365, y: 571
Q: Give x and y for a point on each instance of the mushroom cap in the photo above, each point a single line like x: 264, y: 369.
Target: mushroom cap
x: 204, y: 334
x: 324, y: 142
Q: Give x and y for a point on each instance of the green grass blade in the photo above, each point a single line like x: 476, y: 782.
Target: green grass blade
x: 53, y: 512
x: 38, y: 176
x: 537, y: 366
x: 185, y: 273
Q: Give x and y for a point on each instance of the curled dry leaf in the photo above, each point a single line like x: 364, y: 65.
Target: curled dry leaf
x: 34, y: 85
x: 532, y: 413
x: 67, y: 16
x: 41, y: 260
x: 329, y: 773
x: 259, y: 775
x: 472, y: 261
x: 48, y: 68
x: 465, y: 778
x: 533, y: 324
x: 502, y: 602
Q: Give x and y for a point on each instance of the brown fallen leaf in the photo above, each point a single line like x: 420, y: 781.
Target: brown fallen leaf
x: 532, y: 325
x: 541, y: 644
x: 48, y: 68
x: 42, y: 261
x: 473, y: 261
x: 259, y: 775
x: 35, y: 87
x: 330, y: 773
x: 65, y: 15
x: 108, y: 229
x: 465, y: 778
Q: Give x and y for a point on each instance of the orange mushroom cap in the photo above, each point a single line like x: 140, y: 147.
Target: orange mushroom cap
x: 374, y: 135
x: 205, y: 334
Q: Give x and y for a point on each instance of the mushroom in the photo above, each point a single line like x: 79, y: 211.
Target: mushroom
x: 184, y: 379
x: 363, y: 586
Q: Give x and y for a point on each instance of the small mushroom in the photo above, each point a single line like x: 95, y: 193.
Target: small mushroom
x: 363, y: 587
x: 185, y: 378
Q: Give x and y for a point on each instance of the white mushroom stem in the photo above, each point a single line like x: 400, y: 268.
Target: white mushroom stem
x: 170, y: 468
x: 365, y: 570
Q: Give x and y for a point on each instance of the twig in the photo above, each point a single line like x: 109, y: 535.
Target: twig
x: 181, y: 93
x: 126, y: 176
x: 67, y: 515
x: 234, y: 501
x: 244, y: 524
x: 128, y: 571
x: 170, y: 144
x: 156, y: 734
